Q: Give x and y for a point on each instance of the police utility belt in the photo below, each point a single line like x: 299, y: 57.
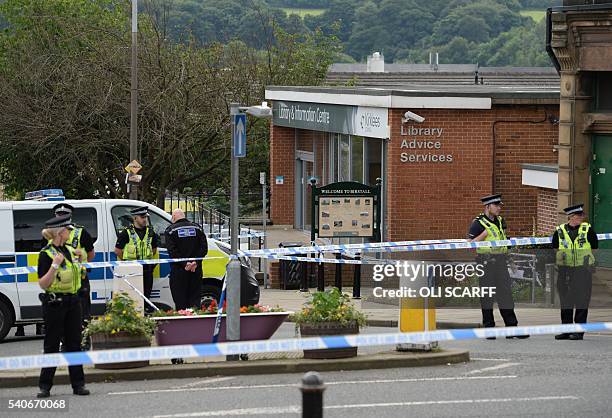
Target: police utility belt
x: 57, y: 298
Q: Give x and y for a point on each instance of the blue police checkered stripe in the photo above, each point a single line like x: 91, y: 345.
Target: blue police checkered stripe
x: 294, y: 344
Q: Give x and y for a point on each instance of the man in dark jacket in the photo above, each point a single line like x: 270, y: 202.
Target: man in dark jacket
x: 185, y: 239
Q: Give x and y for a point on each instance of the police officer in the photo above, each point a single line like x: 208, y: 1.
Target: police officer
x: 574, y: 242
x: 81, y: 240
x: 185, y: 239
x: 139, y: 242
x: 490, y: 226
x: 59, y: 274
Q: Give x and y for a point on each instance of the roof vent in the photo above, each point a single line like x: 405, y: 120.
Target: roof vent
x: 376, y: 63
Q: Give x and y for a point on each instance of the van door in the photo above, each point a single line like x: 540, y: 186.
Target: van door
x: 90, y: 215
x: 120, y: 219
x: 8, y: 284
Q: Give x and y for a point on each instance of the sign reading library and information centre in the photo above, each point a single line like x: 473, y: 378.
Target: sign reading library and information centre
x: 372, y: 122
x: 346, y: 209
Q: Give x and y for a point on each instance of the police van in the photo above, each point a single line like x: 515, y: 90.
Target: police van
x: 21, y: 223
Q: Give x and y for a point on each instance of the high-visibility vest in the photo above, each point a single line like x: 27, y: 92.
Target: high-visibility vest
x: 136, y: 248
x: 68, y: 276
x: 575, y: 253
x: 494, y: 233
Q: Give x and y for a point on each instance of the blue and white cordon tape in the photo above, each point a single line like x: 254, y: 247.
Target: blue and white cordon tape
x: 291, y: 253
x: 8, y: 271
x: 405, y: 246
x: 282, y: 345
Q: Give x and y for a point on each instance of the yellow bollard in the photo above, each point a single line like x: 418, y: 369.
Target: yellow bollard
x: 417, y: 314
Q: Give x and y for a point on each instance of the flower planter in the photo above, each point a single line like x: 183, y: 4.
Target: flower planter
x: 199, y: 329
x: 119, y: 340
x: 328, y: 329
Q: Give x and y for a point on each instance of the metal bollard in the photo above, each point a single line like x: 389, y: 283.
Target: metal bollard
x: 338, y: 282
x: 312, y: 395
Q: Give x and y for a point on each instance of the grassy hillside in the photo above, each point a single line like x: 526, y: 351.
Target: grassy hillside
x: 536, y: 15
x: 303, y: 12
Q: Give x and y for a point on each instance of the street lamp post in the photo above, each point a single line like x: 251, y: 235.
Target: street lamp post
x: 134, y: 96
x: 234, y: 267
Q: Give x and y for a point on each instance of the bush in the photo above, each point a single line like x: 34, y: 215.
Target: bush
x: 329, y: 306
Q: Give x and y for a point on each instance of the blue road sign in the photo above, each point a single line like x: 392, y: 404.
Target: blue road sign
x: 240, y: 137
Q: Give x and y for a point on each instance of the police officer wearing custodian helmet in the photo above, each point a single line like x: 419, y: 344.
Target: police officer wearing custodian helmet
x: 490, y: 226
x: 59, y: 274
x: 574, y: 242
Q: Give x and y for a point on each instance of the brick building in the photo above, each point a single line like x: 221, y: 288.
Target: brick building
x: 474, y: 140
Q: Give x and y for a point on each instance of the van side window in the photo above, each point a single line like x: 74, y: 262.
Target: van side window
x: 29, y: 223
x: 122, y: 219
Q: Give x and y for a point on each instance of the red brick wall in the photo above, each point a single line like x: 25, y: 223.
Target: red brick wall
x: 282, y: 157
x: 518, y: 143
x: 547, y: 211
x: 428, y: 200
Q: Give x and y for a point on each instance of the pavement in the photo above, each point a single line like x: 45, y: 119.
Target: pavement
x: 384, y: 315
x: 504, y: 378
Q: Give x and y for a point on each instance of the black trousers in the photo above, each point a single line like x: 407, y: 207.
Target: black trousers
x: 496, y: 275
x: 574, y: 285
x: 62, y: 321
x: 185, y: 287
x: 85, y: 297
x: 147, y: 284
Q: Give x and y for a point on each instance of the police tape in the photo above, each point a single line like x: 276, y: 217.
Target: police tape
x: 405, y: 246
x: 286, y: 253
x: 283, y: 345
x: 249, y: 235
x: 9, y: 271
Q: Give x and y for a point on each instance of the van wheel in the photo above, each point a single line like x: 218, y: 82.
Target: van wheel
x: 6, y: 319
x: 208, y: 294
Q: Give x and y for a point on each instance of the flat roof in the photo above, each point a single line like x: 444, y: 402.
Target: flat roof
x: 445, y: 96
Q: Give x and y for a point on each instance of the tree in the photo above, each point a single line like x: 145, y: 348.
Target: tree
x: 64, y: 106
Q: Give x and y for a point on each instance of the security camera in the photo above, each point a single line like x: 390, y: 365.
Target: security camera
x: 412, y: 116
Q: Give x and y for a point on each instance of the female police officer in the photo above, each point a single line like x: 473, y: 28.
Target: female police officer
x: 59, y: 274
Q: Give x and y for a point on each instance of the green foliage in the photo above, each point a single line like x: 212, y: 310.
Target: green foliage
x: 121, y: 316
x: 329, y: 306
x: 64, y: 106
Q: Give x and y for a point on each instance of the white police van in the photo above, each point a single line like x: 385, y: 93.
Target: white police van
x: 21, y: 223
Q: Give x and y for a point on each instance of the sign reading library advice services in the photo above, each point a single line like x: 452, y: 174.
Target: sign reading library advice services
x: 372, y: 122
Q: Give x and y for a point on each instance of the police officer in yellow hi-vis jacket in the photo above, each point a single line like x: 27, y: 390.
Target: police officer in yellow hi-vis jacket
x: 79, y: 239
x: 490, y: 226
x: 59, y: 274
x: 139, y: 242
x: 575, y: 242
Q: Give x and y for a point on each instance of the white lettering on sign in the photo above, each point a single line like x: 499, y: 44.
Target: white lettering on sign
x: 304, y: 115
x: 422, y: 144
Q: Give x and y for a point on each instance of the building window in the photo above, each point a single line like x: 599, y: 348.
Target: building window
x: 357, y: 158
x: 603, y: 98
x: 344, y: 158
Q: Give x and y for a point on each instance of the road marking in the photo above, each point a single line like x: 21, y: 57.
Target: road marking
x: 345, y: 382
x: 492, y: 368
x: 488, y: 359
x: 294, y: 409
x: 204, y: 382
x: 270, y: 410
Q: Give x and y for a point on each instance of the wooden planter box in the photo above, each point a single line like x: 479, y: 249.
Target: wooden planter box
x: 328, y: 329
x: 199, y: 329
x: 119, y: 340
